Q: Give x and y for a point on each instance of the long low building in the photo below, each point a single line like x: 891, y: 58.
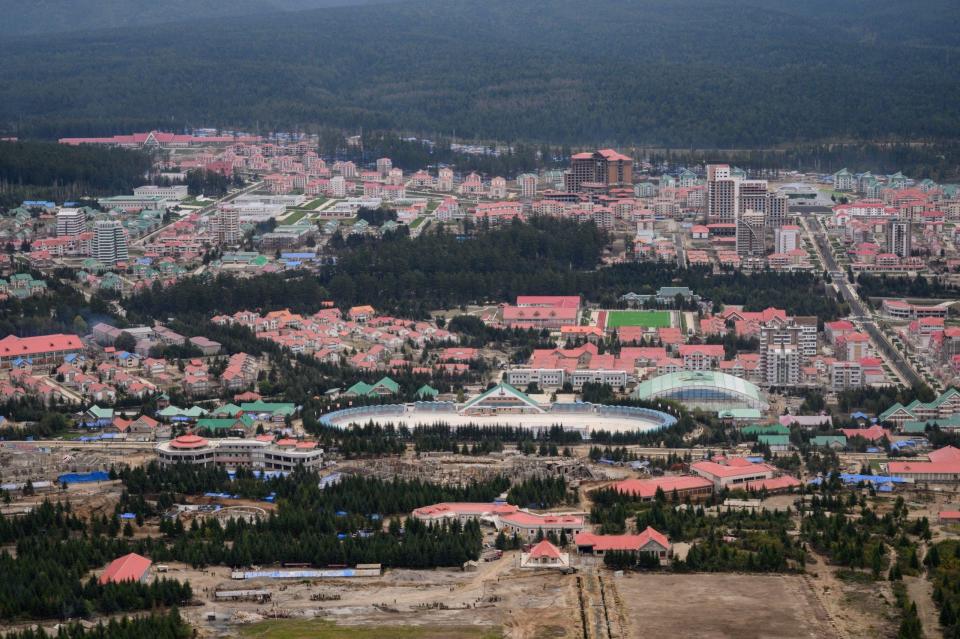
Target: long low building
x: 505, y: 517
x: 733, y: 472
x: 239, y: 453
x: 683, y: 486
x: 43, y: 349
x: 941, y: 465
x: 649, y: 541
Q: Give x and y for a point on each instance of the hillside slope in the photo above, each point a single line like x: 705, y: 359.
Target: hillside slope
x: 684, y: 73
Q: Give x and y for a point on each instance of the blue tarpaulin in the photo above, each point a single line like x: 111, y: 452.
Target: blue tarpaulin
x: 83, y: 478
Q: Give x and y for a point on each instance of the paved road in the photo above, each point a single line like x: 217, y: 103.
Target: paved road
x: 203, y: 211
x: 681, y: 255
x: 859, y: 310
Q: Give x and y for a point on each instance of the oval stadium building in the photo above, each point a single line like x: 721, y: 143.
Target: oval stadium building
x: 706, y: 390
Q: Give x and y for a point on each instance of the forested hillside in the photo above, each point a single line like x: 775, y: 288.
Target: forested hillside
x: 61, y: 16
x: 38, y: 170
x: 685, y: 73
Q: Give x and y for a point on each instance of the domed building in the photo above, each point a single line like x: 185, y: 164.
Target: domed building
x: 706, y: 390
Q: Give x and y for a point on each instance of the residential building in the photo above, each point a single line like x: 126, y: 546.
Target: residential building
x: 498, y: 188
x: 445, y: 180
x: 750, y: 233
x: 71, y: 222
x: 527, y: 183
x: 786, y: 238
x: 227, y: 225
x: 844, y: 375
x: 843, y: 181
x: 899, y: 237
x: 109, y: 242
x: 723, y: 195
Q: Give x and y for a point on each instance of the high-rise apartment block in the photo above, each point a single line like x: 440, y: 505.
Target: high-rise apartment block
x: 227, y: 225
x: 899, y: 237
x: 750, y: 233
x: 71, y: 222
x: 109, y: 242
x: 605, y: 167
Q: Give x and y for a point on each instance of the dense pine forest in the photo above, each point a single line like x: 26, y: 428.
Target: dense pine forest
x: 43, y: 170
x: 412, y: 277
x: 687, y: 73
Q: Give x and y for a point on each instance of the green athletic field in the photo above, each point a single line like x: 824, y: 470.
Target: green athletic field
x: 651, y: 319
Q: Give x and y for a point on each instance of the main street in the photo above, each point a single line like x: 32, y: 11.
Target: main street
x: 203, y: 211
x: 858, y: 310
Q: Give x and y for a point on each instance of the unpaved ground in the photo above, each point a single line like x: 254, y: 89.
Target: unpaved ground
x: 525, y: 604
x: 856, y: 610
x: 716, y: 606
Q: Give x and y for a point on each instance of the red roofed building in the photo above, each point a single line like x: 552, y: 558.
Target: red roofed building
x: 549, y: 301
x: 650, y: 541
x: 44, y: 349
x: 775, y: 485
x: 545, y: 555
x: 157, y: 139
x: 605, y: 167
x: 872, y: 434
x: 539, y: 317
x: 943, y: 465
x: 733, y: 472
x: 683, y: 486
x: 132, y: 567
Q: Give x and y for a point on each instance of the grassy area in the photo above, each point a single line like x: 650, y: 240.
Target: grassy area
x: 315, y: 204
x: 650, y: 319
x: 294, y: 217
x: 417, y: 222
x: 320, y: 629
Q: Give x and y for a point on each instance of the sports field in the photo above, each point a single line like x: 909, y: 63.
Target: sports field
x: 650, y: 319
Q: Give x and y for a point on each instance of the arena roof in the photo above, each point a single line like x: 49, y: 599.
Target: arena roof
x: 689, y: 380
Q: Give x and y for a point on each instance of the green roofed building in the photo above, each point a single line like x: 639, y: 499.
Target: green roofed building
x: 740, y: 414
x: 946, y: 423
x: 502, y: 398
x: 360, y: 389
x: 829, y: 441
x: 228, y: 409
x: 176, y: 413
x: 427, y: 391
x: 274, y: 411
x: 706, y: 390
x: 221, y: 424
x: 944, y: 406
x: 775, y: 442
x: 766, y: 429
x: 385, y: 386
